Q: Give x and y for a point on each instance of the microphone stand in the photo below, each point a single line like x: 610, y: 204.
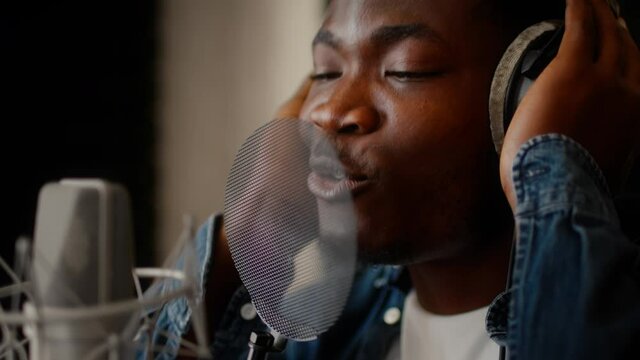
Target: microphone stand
x: 261, y: 343
x: 504, y: 351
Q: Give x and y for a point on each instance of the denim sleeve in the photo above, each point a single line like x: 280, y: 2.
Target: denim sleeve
x: 168, y: 323
x: 576, y: 277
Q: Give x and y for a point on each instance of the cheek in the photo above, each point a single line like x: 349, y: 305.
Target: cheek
x: 431, y: 122
x: 437, y: 134
x: 305, y: 110
x: 315, y: 98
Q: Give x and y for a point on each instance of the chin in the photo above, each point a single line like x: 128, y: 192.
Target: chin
x: 388, y: 247
x: 385, y: 257
x: 379, y: 249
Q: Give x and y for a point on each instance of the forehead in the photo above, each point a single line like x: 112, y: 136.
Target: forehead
x: 355, y: 18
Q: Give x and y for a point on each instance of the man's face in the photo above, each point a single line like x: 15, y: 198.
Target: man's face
x: 402, y: 87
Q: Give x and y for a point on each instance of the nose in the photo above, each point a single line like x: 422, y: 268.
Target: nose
x: 348, y: 110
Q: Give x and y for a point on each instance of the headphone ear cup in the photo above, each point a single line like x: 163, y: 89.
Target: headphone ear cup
x: 512, y: 78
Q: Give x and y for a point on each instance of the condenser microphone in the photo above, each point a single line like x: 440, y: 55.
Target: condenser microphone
x: 82, y: 258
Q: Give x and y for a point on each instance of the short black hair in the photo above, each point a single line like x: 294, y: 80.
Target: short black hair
x: 523, y: 13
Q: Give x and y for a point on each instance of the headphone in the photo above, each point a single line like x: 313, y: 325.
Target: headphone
x: 521, y: 64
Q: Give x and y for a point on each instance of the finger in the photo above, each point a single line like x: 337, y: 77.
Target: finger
x: 610, y: 46
x: 291, y: 109
x: 623, y: 23
x: 632, y: 53
x: 578, y: 40
x: 615, y: 7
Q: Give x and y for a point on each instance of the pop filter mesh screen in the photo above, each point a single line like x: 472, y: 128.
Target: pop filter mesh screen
x: 295, y: 257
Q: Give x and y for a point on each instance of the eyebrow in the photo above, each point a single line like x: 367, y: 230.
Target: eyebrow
x: 389, y: 35
x: 326, y: 37
x: 385, y: 36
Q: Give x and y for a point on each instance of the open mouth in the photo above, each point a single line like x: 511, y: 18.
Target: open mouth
x: 330, y: 181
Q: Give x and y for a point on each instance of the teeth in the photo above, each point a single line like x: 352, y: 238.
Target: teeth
x: 339, y: 175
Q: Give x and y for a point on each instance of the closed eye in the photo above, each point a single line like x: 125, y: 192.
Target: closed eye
x: 411, y: 75
x: 326, y: 76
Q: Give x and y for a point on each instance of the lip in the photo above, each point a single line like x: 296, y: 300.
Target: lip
x: 329, y: 181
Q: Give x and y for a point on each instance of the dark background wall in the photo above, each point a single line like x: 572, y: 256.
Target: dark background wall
x: 77, y: 80
x: 78, y: 96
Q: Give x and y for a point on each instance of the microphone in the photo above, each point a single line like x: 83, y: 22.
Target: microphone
x: 83, y: 257
x: 84, y: 299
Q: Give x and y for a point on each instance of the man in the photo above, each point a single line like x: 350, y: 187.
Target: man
x: 402, y: 88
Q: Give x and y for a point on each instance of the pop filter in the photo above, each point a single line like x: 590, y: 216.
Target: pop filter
x: 295, y: 250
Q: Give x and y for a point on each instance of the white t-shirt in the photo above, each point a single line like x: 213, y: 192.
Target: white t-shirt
x: 426, y: 336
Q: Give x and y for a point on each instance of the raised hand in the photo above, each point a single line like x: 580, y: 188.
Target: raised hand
x: 589, y: 92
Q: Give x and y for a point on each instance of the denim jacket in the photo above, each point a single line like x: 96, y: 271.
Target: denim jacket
x: 575, y: 283
x: 574, y: 293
